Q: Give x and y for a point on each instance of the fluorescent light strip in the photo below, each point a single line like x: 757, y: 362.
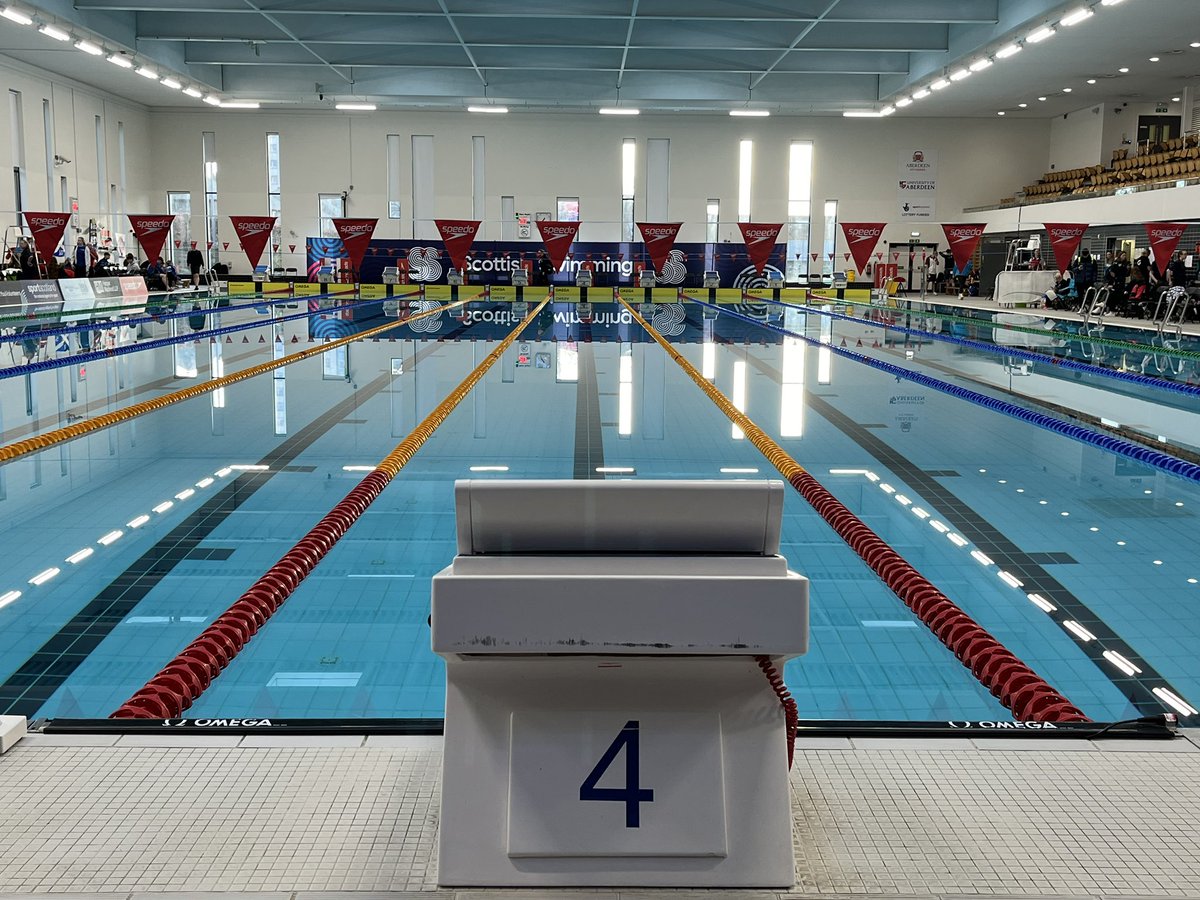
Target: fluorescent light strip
x: 489, y: 468
x: 147, y: 72
x: 616, y: 470
x: 42, y: 577
x: 729, y: 470
x: 847, y: 471
x: 872, y: 477
x: 919, y: 513
x: 1172, y: 700
x: 242, y: 104
x: 192, y: 92
x: 204, y: 482
x: 249, y: 468
x: 353, y: 107
x: 902, y: 500
x: 887, y: 488
x: 940, y: 85
x: 1075, y: 16
x: 8, y: 598
x: 183, y: 495
x: 1010, y: 580
x: 1040, y: 35
x: 163, y: 507
x: 750, y: 113
x: 861, y: 114
x: 1121, y: 662
x: 221, y: 473
x: 487, y: 109
x: 1078, y: 630
x: 120, y: 61
x: 358, y: 468
x: 938, y: 526
x: 171, y: 83
x: 111, y: 538
x: 921, y: 94
x: 903, y: 102
x: 138, y: 522
x: 15, y: 15
x: 89, y: 48
x: 619, y: 111
x: 957, y: 539
x: 1009, y: 50
x: 980, y: 557
x: 212, y: 100
x: 1041, y: 602
x: 960, y: 74
x: 80, y: 555
x: 57, y: 33
x: 979, y: 65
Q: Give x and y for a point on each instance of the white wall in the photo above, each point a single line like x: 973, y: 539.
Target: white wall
x: 536, y: 158
x: 74, y: 109
x: 1121, y: 121
x: 1076, y: 138
x: 1168, y: 204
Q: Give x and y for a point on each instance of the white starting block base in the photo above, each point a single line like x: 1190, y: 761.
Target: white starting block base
x: 12, y: 729
x: 683, y: 759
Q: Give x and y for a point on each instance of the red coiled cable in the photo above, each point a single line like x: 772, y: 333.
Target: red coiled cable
x: 791, y: 714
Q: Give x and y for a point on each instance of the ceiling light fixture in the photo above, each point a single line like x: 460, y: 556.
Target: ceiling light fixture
x: 619, y: 111
x: 171, y: 83
x: 212, y: 100
x: 57, y: 33
x: 240, y: 104
x: 355, y: 107
x: 861, y: 114
x: 980, y: 64
x: 1067, y: 90
x: 750, y: 113
x: 1000, y: 112
x: 1008, y: 50
x: 1109, y: 2
x: 1154, y: 59
x: 1124, y: 70
x: 487, y: 109
x: 147, y: 72
x: 1174, y: 99
x: 960, y: 74
x: 1075, y: 16
x: 122, y: 61
x: 940, y: 85
x: 1043, y: 99
x: 1194, y: 44
x: 192, y: 92
x: 921, y: 94
x: 903, y: 102
x: 15, y: 15
x: 1023, y: 105
x: 1040, y: 35
x: 887, y: 110
x: 89, y: 48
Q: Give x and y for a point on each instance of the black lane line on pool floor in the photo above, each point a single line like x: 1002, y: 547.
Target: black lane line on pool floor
x: 36, y: 680
x: 1008, y: 557
x: 589, y: 435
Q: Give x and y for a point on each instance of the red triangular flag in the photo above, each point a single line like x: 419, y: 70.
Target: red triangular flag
x: 291, y: 248
x: 261, y: 339
x: 178, y: 244
x: 225, y: 245
x: 275, y: 247
x: 210, y: 245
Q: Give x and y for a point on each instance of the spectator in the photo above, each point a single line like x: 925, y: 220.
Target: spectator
x: 83, y: 258
x: 104, y: 266
x: 195, y: 263
x: 130, y: 266
x: 1116, y: 277
x: 1148, y: 270
x: 1085, y: 272
x: 1177, y: 271
x: 27, y: 260
x: 156, y: 276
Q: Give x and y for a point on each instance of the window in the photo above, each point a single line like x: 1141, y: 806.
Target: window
x: 17, y: 137
x: 628, y: 180
x: 831, y: 224
x: 424, y: 206
x: 121, y: 177
x: 274, y: 202
x: 712, y: 220
x: 393, y: 176
x: 48, y: 132
x: 211, y: 222
x: 745, y: 163
x: 567, y: 209
x: 800, y: 159
x: 478, y: 175
x: 330, y: 207
x: 179, y: 204
x: 101, y: 167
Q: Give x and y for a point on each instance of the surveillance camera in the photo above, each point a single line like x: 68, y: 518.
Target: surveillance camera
x: 320, y: 96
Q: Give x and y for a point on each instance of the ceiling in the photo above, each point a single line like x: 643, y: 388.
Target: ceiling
x: 798, y: 57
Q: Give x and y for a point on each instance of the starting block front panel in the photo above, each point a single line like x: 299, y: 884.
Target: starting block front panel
x: 616, y: 783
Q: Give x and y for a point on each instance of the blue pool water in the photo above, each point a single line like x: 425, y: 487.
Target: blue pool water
x: 1110, y: 545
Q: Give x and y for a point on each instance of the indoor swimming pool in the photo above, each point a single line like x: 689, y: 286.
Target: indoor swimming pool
x: 120, y: 546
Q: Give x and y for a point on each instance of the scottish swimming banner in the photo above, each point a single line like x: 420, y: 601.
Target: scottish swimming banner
x: 558, y: 237
x: 963, y: 241
x: 1064, y: 241
x: 253, y: 232
x: 862, y: 238
x: 356, y: 236
x: 1164, y: 238
x: 916, y: 191
x: 47, y: 228
x: 151, y: 233
x: 760, y: 241
x: 457, y: 235
x: 659, y: 238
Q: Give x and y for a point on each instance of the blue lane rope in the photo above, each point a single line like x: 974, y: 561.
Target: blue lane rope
x: 44, y: 365
x: 1191, y: 390
x: 1146, y: 456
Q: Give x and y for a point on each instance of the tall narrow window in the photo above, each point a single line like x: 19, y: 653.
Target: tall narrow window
x: 800, y: 160
x: 330, y: 207
x: 393, y: 176
x: 48, y: 131
x: 422, y: 187
x: 628, y: 182
x: 209, y: 148
x: 508, y: 218
x: 122, y: 194
x: 567, y: 209
x: 658, y: 179
x: 478, y: 173
x: 274, y: 203
x: 101, y: 168
x: 17, y: 137
x: 745, y: 164
x: 830, y: 238
x: 179, y: 204
x: 712, y: 220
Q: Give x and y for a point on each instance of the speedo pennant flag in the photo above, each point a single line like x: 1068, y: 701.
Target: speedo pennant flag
x: 659, y: 238
x: 862, y: 238
x: 47, y: 228
x: 558, y: 237
x: 1164, y: 238
x: 457, y: 235
x: 760, y: 241
x: 151, y: 233
x: 963, y: 241
x: 1064, y: 241
x: 253, y: 232
x: 356, y: 235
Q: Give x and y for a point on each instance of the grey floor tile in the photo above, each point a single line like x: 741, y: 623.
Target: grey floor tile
x: 1124, y: 745
x: 178, y: 741
x: 1035, y: 745
x: 432, y: 742
x: 912, y: 744
x: 302, y: 740
x: 70, y: 740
